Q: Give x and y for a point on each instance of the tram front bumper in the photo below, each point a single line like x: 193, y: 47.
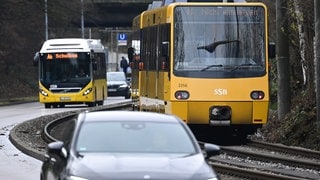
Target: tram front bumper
x: 221, y: 113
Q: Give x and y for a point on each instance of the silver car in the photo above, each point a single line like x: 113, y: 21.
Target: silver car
x: 129, y: 145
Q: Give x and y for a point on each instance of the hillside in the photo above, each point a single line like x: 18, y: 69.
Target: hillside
x: 22, y: 32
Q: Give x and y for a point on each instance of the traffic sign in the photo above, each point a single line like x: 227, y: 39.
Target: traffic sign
x: 122, y: 39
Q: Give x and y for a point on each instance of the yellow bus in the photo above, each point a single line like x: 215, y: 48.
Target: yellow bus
x: 206, y: 62
x: 72, y: 71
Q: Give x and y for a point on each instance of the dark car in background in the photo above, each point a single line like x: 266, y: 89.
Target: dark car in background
x: 129, y: 145
x: 118, y: 85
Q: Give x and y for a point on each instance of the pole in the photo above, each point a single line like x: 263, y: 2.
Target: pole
x: 317, y: 56
x: 117, y: 50
x: 82, y: 20
x: 46, y: 19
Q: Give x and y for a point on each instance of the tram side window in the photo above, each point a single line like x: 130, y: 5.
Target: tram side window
x: 151, y: 45
x: 164, y: 36
x: 149, y: 48
x: 145, y: 49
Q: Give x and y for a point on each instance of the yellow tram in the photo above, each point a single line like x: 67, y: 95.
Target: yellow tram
x: 206, y: 62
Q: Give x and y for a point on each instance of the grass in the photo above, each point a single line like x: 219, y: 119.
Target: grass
x: 18, y: 100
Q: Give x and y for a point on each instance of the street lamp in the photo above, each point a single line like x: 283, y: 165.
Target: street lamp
x: 82, y: 19
x: 46, y: 18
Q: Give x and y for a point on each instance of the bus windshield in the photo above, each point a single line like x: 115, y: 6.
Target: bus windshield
x: 222, y: 40
x: 65, y: 70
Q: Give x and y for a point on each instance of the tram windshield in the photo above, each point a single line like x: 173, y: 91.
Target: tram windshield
x: 61, y: 71
x: 220, y: 41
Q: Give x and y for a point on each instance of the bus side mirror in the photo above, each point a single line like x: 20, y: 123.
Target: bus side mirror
x: 165, y: 49
x: 272, y: 50
x: 36, y: 59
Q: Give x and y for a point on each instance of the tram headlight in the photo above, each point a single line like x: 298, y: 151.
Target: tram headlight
x: 182, y: 95
x: 88, y: 91
x: 43, y: 92
x: 257, y: 95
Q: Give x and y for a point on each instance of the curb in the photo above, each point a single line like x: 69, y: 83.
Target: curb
x: 26, y: 149
x: 22, y: 146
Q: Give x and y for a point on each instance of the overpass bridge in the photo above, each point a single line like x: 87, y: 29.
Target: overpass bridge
x: 113, y: 13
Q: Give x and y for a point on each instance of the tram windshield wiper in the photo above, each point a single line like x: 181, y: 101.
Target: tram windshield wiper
x: 241, y: 65
x: 212, y: 47
x: 210, y: 66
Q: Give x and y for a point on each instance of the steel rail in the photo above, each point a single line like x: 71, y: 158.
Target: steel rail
x: 46, y: 133
x: 285, y: 149
x: 271, y: 158
x: 228, y: 169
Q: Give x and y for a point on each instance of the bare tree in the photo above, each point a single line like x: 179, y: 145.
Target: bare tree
x: 284, y: 93
x: 302, y: 42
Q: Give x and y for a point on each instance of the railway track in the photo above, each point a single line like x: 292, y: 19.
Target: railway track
x: 260, y: 160
x: 255, y: 160
x: 294, y: 151
x: 59, y: 128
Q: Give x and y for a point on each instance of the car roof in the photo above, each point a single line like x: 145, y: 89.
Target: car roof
x: 129, y: 116
x: 115, y: 72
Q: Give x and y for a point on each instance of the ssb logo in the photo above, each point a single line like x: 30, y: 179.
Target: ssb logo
x: 220, y: 92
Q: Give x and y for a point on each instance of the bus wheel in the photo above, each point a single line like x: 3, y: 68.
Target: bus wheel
x: 92, y: 104
x: 47, y: 105
x: 127, y: 96
x: 100, y: 103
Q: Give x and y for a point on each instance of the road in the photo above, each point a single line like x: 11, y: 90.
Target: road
x: 15, y: 165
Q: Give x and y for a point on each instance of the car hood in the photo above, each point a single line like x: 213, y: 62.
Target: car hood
x: 93, y: 166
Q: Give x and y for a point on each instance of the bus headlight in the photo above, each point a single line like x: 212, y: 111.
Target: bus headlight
x: 181, y: 95
x: 43, y: 92
x: 257, y: 95
x: 88, y: 91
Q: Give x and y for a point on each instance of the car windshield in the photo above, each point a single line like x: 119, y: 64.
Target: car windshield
x: 118, y: 76
x: 134, y: 137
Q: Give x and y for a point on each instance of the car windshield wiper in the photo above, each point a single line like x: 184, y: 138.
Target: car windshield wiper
x: 212, y: 47
x: 79, y: 155
x: 210, y: 66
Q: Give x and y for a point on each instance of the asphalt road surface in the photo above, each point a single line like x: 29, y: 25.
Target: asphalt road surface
x: 15, y: 165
